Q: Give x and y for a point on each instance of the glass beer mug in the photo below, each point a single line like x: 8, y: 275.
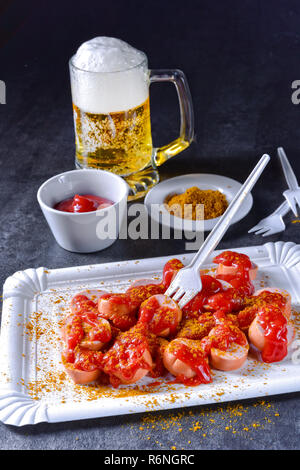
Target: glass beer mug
x: 110, y: 93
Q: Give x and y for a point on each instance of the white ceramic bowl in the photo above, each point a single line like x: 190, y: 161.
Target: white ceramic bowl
x: 84, y: 232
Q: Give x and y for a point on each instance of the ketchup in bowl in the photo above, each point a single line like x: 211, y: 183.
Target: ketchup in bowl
x: 83, y: 203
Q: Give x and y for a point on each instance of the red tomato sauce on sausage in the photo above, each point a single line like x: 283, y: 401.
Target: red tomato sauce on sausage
x: 274, y: 298
x: 126, y: 355
x: 81, y: 303
x: 238, y: 260
x: 196, y: 359
x: 210, y: 286
x: 274, y: 325
x: 122, y: 321
x: 223, y: 336
x: 156, y: 346
x: 83, y: 359
x: 138, y: 294
x: 170, y: 269
x: 158, y: 317
x: 232, y: 298
x: 74, y: 331
x: 84, y: 203
x: 247, y: 315
x: 85, y: 325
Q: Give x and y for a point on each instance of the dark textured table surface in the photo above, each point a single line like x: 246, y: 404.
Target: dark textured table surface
x: 240, y: 59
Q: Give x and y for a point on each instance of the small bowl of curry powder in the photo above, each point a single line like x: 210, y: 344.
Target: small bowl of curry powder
x: 197, y: 204
x: 193, y: 203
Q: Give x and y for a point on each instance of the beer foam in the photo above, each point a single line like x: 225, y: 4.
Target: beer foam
x: 109, y: 76
x: 104, y: 54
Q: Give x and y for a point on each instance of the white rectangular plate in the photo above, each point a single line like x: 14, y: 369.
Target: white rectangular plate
x: 34, y: 387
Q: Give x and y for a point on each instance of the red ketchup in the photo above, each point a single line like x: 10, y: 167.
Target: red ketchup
x: 157, y: 346
x: 125, y: 357
x: 232, y: 298
x: 170, y: 270
x: 158, y: 317
x: 83, y: 359
x: 224, y: 334
x: 274, y: 325
x: 85, y: 324
x: 240, y: 261
x: 247, y: 315
x: 196, y: 359
x: 210, y: 287
x: 122, y: 320
x: 84, y: 203
x: 81, y: 303
x: 138, y: 294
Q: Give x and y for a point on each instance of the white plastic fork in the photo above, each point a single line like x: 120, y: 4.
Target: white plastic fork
x: 292, y: 194
x: 187, y: 282
x: 273, y: 223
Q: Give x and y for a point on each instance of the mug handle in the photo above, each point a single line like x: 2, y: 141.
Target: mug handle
x: 162, y: 154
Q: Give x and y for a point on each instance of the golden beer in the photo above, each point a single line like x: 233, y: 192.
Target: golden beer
x: 110, y: 93
x: 120, y: 142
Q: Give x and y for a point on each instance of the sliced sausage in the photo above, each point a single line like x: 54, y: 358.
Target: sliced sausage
x: 97, y: 334
x: 139, y: 373
x: 142, y: 289
x: 270, y: 333
x: 82, y: 366
x: 174, y: 365
x: 82, y: 377
x: 228, y: 346
x: 86, y: 330
x: 161, y: 314
x: 256, y: 333
x: 115, y: 304
x: 86, y: 300
x: 129, y: 359
x: 231, y: 359
x: 285, y: 303
x: 186, y: 360
x: 170, y: 270
x: 119, y: 309
x: 223, y: 270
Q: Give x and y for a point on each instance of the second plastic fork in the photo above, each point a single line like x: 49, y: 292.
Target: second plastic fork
x: 187, y: 282
x: 273, y: 223
x: 292, y: 194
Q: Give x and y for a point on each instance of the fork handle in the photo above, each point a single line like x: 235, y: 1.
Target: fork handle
x: 283, y: 209
x: 220, y: 228
x: 287, y: 170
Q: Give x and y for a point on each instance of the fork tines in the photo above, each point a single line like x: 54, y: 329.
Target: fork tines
x: 261, y: 230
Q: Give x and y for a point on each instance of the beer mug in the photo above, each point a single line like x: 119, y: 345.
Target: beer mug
x: 110, y: 92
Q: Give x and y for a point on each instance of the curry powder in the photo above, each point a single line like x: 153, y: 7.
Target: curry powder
x: 189, y: 205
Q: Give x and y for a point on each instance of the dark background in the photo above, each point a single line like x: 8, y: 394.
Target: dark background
x: 240, y: 58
